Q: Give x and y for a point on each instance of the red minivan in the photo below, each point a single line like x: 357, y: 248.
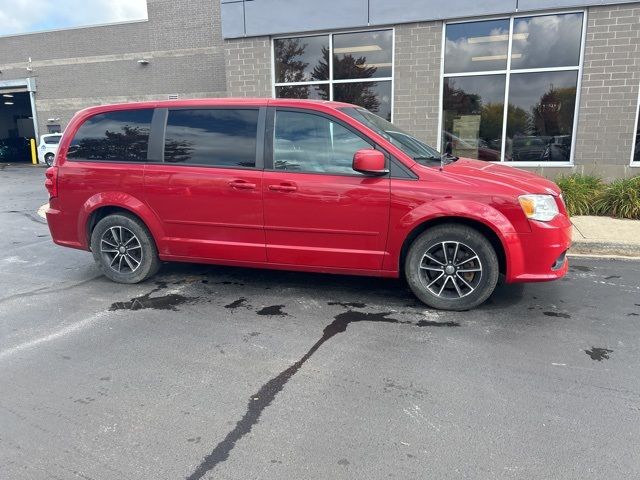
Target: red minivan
x: 299, y: 185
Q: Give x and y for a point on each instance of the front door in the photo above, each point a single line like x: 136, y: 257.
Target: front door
x: 318, y: 210
x: 208, y: 190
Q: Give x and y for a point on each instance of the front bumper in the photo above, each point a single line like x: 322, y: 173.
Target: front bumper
x: 540, y: 255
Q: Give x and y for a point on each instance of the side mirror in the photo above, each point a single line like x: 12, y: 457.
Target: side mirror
x: 370, y: 162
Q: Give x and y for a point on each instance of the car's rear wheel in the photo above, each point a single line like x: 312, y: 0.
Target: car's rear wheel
x: 124, y: 249
x: 452, y: 267
x: 48, y: 159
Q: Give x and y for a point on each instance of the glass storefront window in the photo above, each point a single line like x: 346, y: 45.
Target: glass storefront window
x: 311, y: 91
x: 473, y: 111
x: 546, y: 42
x: 352, y: 67
x: 362, y: 55
x: 477, y: 46
x: 540, y: 118
x: 301, y: 59
x: 636, y: 140
x: 374, y: 96
x: 542, y: 78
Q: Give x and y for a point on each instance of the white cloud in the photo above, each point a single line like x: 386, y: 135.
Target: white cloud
x: 24, y: 16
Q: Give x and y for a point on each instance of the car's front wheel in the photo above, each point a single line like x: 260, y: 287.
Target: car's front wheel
x: 124, y: 249
x: 452, y: 267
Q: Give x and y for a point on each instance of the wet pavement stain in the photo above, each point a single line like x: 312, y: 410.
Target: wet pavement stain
x: 598, y: 354
x: 431, y: 323
x: 557, y: 314
x: 259, y: 401
x: 267, y: 393
x: 273, y: 310
x: 633, y: 314
x: 170, y: 301
x: 349, y: 304
x: 580, y: 268
x: 236, y: 303
x: 611, y: 277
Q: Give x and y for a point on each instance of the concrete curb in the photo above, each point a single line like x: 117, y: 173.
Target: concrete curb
x: 605, y: 249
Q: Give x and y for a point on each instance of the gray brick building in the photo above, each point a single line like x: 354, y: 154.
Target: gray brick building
x: 549, y: 85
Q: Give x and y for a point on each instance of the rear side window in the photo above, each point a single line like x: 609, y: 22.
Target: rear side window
x: 212, y: 137
x: 121, y: 136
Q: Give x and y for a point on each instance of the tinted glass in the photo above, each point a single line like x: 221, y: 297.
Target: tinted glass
x: 305, y: 142
x: 549, y: 41
x: 476, y: 46
x: 409, y: 144
x: 314, y: 92
x: 52, y: 140
x: 362, y: 55
x: 540, y: 120
x: 115, y: 136
x: 218, y: 137
x: 301, y: 59
x: 473, y: 116
x: 374, y: 96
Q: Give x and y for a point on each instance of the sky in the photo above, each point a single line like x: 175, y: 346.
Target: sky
x: 25, y: 16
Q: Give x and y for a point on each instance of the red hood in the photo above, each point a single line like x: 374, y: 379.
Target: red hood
x: 505, y: 176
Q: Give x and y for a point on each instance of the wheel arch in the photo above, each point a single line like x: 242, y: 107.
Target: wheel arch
x: 481, y: 227
x: 98, y: 207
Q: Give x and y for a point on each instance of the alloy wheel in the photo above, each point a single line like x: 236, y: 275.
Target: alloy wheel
x: 121, y: 249
x: 450, y: 270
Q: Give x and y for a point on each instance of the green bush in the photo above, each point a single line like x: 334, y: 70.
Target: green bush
x: 581, y: 193
x: 620, y: 199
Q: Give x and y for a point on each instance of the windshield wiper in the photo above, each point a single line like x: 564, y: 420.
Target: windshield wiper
x: 426, y: 157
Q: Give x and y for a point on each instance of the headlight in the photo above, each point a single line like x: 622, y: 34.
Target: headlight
x: 539, y: 207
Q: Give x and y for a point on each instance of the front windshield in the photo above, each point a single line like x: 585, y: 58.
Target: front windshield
x: 419, y: 151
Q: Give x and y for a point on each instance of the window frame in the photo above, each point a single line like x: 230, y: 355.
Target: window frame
x: 331, y: 81
x: 270, y: 132
x: 159, y: 133
x: 635, y: 133
x: 509, y: 71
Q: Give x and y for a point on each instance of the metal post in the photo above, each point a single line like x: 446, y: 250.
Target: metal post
x: 34, y: 156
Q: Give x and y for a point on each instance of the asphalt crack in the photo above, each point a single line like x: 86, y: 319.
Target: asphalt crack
x: 260, y: 400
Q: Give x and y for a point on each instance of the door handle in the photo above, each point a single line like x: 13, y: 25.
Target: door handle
x: 287, y: 187
x: 242, y: 184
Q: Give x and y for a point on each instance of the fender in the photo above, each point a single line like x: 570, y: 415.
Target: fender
x: 124, y: 201
x: 450, y: 208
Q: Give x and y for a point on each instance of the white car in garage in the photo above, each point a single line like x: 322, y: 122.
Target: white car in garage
x: 48, y: 148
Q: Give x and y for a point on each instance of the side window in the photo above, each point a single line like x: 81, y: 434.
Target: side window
x: 53, y: 140
x: 121, y: 136
x: 213, y: 137
x: 304, y: 142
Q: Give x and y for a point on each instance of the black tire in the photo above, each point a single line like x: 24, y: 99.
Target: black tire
x: 461, y: 286
x: 130, y: 267
x: 48, y: 159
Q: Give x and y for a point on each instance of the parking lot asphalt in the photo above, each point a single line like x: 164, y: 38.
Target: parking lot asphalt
x: 229, y: 373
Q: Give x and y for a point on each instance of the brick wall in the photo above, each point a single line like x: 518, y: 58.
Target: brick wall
x: 609, y: 96
x: 248, y: 67
x: 417, y: 79
x: 77, y: 68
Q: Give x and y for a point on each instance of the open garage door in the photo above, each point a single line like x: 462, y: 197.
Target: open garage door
x: 17, y: 125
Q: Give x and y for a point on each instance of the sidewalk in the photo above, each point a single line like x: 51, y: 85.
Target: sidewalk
x: 605, y: 236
